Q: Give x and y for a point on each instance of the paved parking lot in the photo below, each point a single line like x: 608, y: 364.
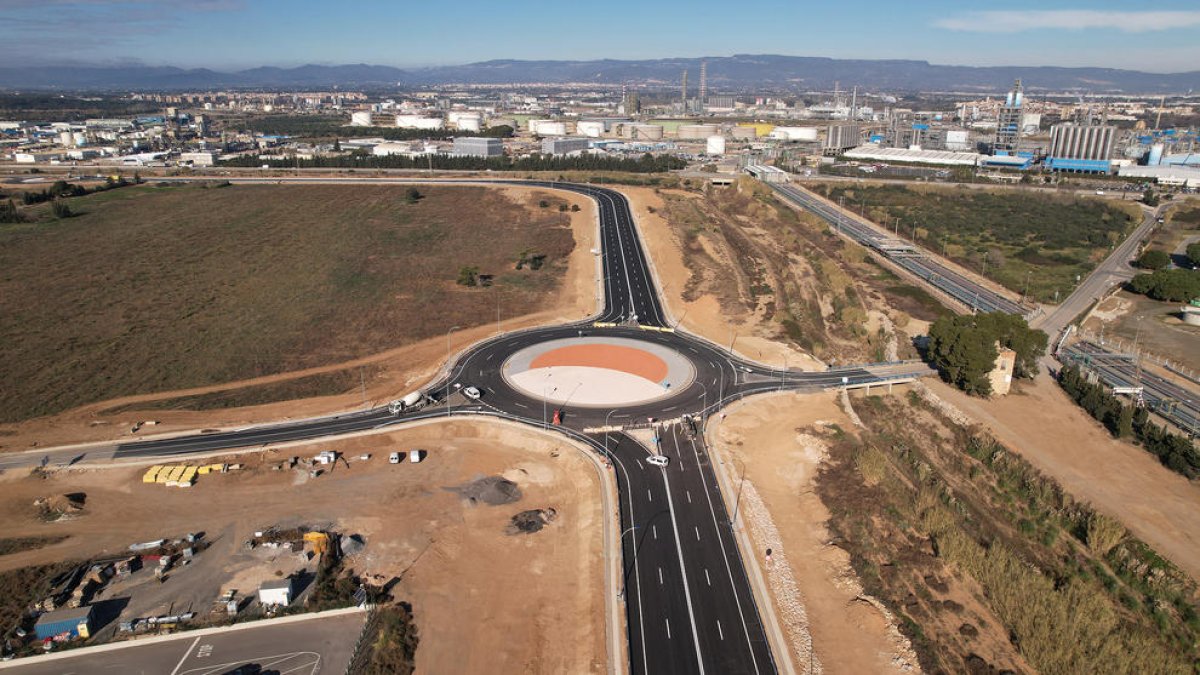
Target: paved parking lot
x: 308, y: 647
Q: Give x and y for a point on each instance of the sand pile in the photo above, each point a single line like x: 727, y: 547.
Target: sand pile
x: 491, y: 490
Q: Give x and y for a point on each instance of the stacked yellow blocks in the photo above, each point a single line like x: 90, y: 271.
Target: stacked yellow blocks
x: 179, y: 475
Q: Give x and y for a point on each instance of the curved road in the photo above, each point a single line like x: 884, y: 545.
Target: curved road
x: 689, y: 604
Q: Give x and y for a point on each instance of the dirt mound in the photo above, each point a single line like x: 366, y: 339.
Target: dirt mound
x: 59, y: 507
x: 491, y: 490
x: 530, y: 521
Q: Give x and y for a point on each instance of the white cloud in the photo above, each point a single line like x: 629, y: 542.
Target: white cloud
x: 1017, y: 21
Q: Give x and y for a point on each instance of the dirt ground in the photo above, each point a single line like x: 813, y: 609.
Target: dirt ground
x: 393, y: 373
x: 781, y: 462
x: 1155, y: 327
x: 703, y: 316
x: 1045, y: 427
x: 484, y: 600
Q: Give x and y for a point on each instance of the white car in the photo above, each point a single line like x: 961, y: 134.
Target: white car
x: 472, y: 393
x: 658, y: 460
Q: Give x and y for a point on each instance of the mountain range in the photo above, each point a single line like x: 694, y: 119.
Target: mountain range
x: 732, y: 74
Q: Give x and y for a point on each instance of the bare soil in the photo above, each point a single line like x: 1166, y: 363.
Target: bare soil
x: 772, y: 439
x: 1128, y: 319
x: 484, y: 600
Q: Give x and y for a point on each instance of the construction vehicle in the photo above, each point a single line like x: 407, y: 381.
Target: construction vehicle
x: 412, y: 401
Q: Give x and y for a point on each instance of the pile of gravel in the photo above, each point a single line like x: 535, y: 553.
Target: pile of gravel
x: 528, y: 522
x: 491, y: 490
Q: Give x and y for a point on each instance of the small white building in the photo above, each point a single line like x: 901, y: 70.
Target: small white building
x: 198, y: 158
x: 277, y: 593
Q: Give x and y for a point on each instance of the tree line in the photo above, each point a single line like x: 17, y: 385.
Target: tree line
x: 1126, y: 421
x: 647, y: 163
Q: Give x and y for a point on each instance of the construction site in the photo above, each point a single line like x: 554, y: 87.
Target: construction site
x: 284, y: 531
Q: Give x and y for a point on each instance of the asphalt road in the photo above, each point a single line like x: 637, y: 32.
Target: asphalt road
x: 971, y: 294
x: 1114, y: 270
x: 690, y: 608
x: 317, y: 645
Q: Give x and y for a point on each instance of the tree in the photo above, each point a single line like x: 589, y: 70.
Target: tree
x: 963, y: 348
x: 9, y: 213
x: 61, y: 209
x: 468, y: 275
x: 1149, y: 198
x: 337, y: 144
x: 412, y: 196
x: 1153, y: 259
x: 1168, y: 285
x: 1193, y: 253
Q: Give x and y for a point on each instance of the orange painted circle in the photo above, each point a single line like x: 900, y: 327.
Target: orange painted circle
x: 613, y: 357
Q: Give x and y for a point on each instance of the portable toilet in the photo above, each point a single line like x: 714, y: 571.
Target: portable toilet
x: 415, y: 456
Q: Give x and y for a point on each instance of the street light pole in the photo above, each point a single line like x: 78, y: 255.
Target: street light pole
x: 631, y: 528
x: 737, y: 502
x: 449, y: 375
x: 606, y: 452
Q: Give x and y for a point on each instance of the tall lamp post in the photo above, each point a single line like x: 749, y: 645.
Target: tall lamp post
x: 450, y: 374
x: 606, y: 452
x: 625, y: 577
x: 737, y: 502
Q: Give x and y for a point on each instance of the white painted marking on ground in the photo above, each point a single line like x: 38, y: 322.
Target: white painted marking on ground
x: 640, y: 465
x: 185, y: 656
x: 719, y: 631
x: 689, y: 496
x: 660, y: 577
x: 706, y: 577
x: 697, y: 529
x: 654, y: 531
x: 668, y: 628
x: 649, y: 494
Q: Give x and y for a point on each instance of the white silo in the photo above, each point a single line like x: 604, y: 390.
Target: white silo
x: 696, y: 132
x: 80, y: 139
x: 715, y: 145
x: 470, y: 123
x: 648, y: 132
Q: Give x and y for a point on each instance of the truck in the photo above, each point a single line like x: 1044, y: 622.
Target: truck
x: 412, y: 401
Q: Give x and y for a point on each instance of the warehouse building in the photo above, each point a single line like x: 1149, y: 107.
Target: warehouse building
x: 478, y: 147
x: 564, y: 146
x: 74, y: 622
x: 876, y: 153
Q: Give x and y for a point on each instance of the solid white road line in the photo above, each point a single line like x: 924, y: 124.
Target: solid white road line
x: 660, y: 577
x: 687, y: 591
x: 719, y: 631
x: 706, y: 577
x: 185, y: 656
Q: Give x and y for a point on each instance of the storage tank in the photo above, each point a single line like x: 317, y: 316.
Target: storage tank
x: 743, y: 133
x: 648, y: 132
x: 547, y: 128
x: 470, y: 124
x: 716, y: 145
x: 66, y: 139
x: 590, y: 129
x: 80, y: 139
x: 697, y: 132
x: 419, y: 122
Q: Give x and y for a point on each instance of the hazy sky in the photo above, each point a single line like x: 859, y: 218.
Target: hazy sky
x: 1157, y: 35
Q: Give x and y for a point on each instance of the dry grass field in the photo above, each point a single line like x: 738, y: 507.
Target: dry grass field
x: 161, y: 288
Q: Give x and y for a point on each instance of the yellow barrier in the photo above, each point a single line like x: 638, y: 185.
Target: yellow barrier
x: 152, y: 474
x: 604, y: 324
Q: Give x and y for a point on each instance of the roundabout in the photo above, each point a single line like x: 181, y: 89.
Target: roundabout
x: 598, y: 372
